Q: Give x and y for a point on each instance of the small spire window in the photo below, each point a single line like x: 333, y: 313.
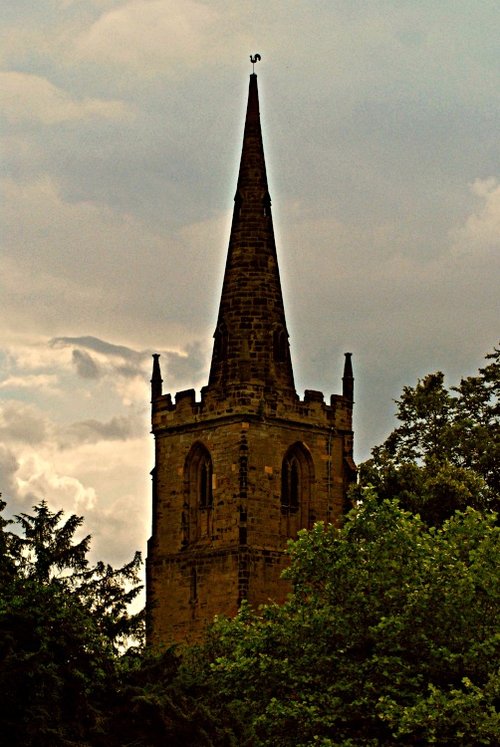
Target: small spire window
x: 220, y: 342
x: 279, y: 345
x: 238, y: 200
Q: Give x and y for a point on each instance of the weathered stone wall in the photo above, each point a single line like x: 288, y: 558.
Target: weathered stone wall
x: 186, y: 592
x: 236, y: 548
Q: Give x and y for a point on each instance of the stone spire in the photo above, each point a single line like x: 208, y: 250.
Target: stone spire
x: 251, y: 340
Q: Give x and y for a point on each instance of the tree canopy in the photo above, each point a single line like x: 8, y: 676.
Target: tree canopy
x: 445, y: 454
x: 390, y: 637
x: 73, y: 668
x: 62, y: 624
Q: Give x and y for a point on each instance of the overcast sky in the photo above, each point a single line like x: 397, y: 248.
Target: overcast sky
x: 121, y: 137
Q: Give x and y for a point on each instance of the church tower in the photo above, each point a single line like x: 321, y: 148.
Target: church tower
x: 240, y: 471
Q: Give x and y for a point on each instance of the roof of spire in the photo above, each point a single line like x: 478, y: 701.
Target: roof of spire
x: 251, y: 340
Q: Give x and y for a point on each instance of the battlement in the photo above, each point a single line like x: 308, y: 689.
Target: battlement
x: 250, y: 402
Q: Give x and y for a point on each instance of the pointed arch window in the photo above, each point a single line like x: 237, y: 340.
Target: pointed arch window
x: 297, y: 478
x: 199, y: 500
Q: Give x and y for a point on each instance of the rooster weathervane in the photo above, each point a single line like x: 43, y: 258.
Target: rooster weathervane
x: 254, y: 59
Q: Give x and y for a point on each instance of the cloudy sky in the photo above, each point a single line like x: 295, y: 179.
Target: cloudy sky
x: 121, y: 132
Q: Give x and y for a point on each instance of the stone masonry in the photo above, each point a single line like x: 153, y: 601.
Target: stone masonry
x: 240, y: 471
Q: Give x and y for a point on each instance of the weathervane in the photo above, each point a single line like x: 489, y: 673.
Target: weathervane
x: 253, y: 60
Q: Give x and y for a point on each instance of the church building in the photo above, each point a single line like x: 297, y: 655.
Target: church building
x: 238, y: 472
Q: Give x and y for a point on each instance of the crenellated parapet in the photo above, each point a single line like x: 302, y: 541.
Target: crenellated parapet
x: 184, y: 408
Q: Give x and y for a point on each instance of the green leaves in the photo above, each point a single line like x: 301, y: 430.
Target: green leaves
x: 390, y: 637
x: 464, y: 716
x: 62, y: 624
x: 47, y: 549
x: 445, y: 454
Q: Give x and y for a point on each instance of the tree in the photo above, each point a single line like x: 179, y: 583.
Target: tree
x: 389, y: 638
x: 6, y: 561
x: 445, y: 454
x: 62, y: 623
x: 153, y: 707
x: 68, y: 674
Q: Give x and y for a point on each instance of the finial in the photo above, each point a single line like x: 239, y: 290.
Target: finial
x: 348, y: 378
x: 156, y: 380
x: 253, y: 60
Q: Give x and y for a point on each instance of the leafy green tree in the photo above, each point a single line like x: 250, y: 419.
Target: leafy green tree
x: 445, y: 454
x: 389, y: 638
x: 478, y: 420
x: 62, y: 623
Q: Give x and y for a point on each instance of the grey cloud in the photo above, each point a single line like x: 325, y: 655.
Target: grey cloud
x: 93, y: 431
x: 21, y: 422
x: 381, y: 131
x: 129, y: 372
x: 85, y: 365
x: 180, y: 368
x: 16, y: 503
x: 122, y: 360
x: 184, y: 371
x: 8, y: 467
x: 98, y: 346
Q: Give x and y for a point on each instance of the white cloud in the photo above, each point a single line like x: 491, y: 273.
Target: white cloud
x: 47, y: 381
x: 8, y: 468
x: 377, y: 132
x: 31, y: 358
x: 38, y: 476
x: 105, y: 484
x: 480, y: 233
x: 150, y: 36
x: 27, y: 97
x: 88, y: 451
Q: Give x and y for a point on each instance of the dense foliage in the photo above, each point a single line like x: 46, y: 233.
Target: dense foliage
x: 445, y: 454
x: 390, y: 637
x: 73, y: 669
x: 62, y: 625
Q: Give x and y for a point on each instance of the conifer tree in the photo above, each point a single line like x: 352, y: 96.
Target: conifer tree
x: 62, y: 623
